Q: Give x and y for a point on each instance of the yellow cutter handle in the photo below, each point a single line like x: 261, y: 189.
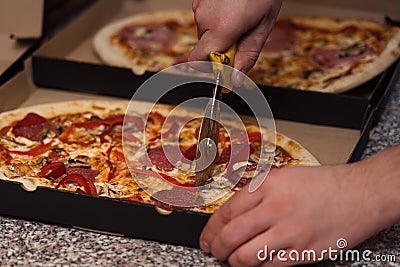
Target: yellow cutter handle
x: 226, y: 58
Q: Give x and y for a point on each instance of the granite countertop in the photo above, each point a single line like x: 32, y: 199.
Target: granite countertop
x: 31, y: 243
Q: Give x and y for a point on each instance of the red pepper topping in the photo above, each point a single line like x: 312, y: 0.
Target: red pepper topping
x: 5, y: 130
x: 196, y: 133
x: 111, y: 170
x: 38, y: 150
x: 88, y: 173
x: 171, y: 131
x: 156, y: 118
x: 91, y: 124
x: 160, y: 175
x: 116, y: 153
x: 52, y: 170
x: 127, y: 136
x: 110, y: 122
x: 88, y: 186
x: 190, y: 153
x: 254, y: 137
x: 133, y: 198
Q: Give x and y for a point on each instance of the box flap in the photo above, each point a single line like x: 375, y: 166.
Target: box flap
x: 22, y: 19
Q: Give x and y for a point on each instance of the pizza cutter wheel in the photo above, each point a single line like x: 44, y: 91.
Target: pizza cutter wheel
x: 207, y: 146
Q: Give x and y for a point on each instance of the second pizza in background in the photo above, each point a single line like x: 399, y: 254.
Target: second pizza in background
x: 321, y: 54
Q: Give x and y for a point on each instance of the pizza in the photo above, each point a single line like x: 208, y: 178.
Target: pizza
x: 325, y: 54
x: 307, y: 53
x: 149, y: 41
x: 98, y: 148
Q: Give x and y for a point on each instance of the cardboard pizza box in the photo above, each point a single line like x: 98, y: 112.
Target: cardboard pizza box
x: 69, y: 62
x: 69, y: 51
x: 330, y: 145
x: 22, y: 19
x: 24, y: 23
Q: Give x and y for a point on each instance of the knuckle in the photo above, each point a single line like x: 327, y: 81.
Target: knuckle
x: 195, y: 5
x: 247, y: 59
x: 225, y: 212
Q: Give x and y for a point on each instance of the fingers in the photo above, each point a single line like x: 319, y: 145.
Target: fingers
x: 211, y: 40
x: 195, y: 5
x: 238, y: 204
x: 260, y: 249
x: 238, y: 230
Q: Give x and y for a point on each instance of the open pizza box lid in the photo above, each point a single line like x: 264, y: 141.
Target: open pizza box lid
x: 22, y: 19
x: 18, y: 20
x: 69, y: 62
x: 24, y: 23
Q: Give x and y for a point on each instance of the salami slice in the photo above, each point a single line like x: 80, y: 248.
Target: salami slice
x: 177, y: 197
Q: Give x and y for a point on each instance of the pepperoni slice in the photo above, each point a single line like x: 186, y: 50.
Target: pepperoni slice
x: 88, y: 173
x: 177, y: 197
x: 332, y: 58
x: 190, y: 153
x: 158, y: 158
x: 32, y: 126
x: 225, y: 155
x: 145, y: 36
x: 237, y: 175
x: 282, y: 37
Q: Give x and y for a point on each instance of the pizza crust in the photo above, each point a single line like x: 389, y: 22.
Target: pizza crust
x: 113, y: 55
x: 334, y: 24
x: 367, y: 72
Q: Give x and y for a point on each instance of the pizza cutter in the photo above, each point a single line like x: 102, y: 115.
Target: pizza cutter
x: 207, y: 146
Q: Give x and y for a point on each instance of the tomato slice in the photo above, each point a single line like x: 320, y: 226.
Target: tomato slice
x: 88, y: 186
x: 52, y: 170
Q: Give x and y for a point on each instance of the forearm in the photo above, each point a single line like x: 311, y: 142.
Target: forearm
x: 381, y: 175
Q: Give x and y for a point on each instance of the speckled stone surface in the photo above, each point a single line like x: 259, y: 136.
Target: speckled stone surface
x: 27, y: 243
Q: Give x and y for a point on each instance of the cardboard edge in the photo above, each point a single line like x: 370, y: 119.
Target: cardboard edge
x: 376, y: 113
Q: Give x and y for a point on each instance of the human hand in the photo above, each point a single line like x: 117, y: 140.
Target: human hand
x: 300, y: 208
x: 222, y: 23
